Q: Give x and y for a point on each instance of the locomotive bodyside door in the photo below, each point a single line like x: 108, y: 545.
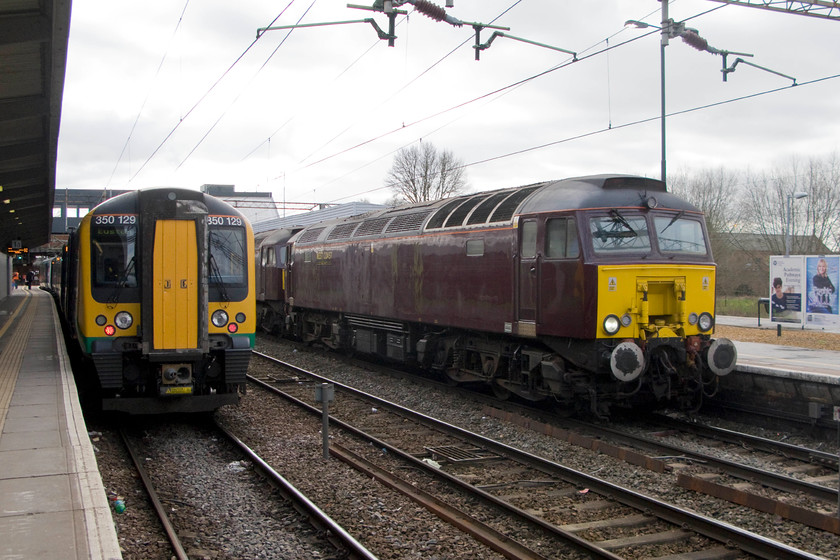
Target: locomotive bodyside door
x: 527, y: 278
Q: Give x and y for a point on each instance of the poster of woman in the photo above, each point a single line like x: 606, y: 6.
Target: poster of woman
x: 823, y: 275
x: 786, y: 289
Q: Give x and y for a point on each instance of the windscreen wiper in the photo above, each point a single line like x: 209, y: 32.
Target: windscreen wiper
x: 674, y: 219
x: 115, y: 295
x: 616, y: 215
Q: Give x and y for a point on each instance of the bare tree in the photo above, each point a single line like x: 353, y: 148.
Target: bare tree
x: 716, y: 192
x: 813, y: 221
x: 420, y: 172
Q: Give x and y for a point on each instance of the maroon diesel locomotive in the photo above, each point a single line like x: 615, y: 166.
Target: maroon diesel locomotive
x: 594, y: 291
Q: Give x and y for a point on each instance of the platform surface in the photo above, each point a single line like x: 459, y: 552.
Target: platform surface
x: 783, y: 359
x: 52, y: 501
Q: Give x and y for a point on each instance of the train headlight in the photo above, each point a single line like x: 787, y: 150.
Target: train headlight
x: 123, y: 320
x: 240, y: 317
x: 101, y: 320
x: 692, y: 318
x: 219, y: 318
x: 705, y: 322
x: 611, y: 324
x: 626, y: 320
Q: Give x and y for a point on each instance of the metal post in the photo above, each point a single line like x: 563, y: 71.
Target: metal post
x: 787, y: 227
x: 325, y: 428
x: 666, y: 29
x: 324, y: 393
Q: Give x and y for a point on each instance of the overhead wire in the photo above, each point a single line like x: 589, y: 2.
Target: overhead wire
x: 204, y: 96
x: 148, y: 93
x: 411, y: 82
x: 244, y: 88
x: 611, y: 129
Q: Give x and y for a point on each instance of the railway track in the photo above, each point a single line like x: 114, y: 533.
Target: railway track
x: 769, y: 489
x: 774, y: 477
x: 199, y: 525
x: 786, y: 480
x: 592, y: 513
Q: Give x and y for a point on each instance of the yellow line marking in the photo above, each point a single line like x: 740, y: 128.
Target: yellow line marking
x: 12, y: 356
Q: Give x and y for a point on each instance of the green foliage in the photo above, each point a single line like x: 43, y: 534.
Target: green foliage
x: 739, y: 306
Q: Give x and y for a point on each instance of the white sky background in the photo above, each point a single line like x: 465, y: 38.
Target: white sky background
x: 333, y: 100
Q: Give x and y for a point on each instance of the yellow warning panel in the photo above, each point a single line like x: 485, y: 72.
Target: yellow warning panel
x: 175, y: 285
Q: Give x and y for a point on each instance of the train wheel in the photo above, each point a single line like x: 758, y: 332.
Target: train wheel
x: 453, y: 377
x: 500, y: 392
x: 267, y: 320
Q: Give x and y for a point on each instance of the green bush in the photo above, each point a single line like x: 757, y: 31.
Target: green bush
x: 739, y: 306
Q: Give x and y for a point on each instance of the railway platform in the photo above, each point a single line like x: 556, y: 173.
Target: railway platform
x: 782, y: 358
x: 52, y: 501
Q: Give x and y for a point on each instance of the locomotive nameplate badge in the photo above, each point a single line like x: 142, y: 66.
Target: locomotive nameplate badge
x: 706, y: 283
x: 612, y: 284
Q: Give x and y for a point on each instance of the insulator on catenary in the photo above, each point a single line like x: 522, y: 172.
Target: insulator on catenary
x: 427, y: 8
x: 694, y: 40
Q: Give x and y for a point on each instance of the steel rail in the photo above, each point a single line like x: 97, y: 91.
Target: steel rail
x: 767, y: 478
x: 763, y: 444
x: 177, y: 547
x: 592, y: 550
x: 480, y: 531
x: 747, y: 541
x: 333, y: 531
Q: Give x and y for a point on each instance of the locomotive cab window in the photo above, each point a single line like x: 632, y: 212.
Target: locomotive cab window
x: 619, y: 233
x: 529, y: 239
x: 268, y: 256
x: 561, y: 239
x: 113, y: 242
x: 227, y: 268
x: 680, y: 235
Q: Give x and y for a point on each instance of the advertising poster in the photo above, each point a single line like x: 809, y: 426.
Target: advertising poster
x: 787, y: 282
x: 823, y: 278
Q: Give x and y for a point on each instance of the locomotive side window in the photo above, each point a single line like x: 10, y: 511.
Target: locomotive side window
x: 227, y: 268
x: 475, y: 248
x: 679, y: 235
x: 268, y: 256
x: 561, y: 239
x: 529, y: 239
x: 113, y: 242
x: 617, y: 233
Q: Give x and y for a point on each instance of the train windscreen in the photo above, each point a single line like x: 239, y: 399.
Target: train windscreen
x: 113, y: 260
x: 680, y: 235
x: 617, y: 233
x: 227, y: 269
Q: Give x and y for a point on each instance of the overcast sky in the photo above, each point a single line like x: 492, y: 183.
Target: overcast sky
x: 178, y: 93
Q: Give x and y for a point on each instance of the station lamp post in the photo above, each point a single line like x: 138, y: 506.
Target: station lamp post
x: 790, y: 198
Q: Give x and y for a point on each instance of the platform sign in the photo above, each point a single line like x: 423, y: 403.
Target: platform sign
x: 786, y: 287
x: 804, y: 290
x: 823, y: 279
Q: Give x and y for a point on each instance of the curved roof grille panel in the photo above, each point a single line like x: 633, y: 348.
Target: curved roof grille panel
x: 310, y: 235
x: 457, y: 217
x: 440, y: 216
x: 342, y: 231
x: 408, y: 222
x: 482, y: 212
x: 506, y: 209
x: 373, y: 226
